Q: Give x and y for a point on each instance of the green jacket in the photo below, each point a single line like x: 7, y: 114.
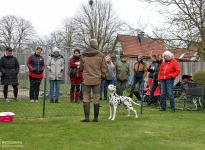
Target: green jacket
x: 122, y: 70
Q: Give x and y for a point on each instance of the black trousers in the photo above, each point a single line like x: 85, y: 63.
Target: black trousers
x: 34, y: 88
x: 5, y: 90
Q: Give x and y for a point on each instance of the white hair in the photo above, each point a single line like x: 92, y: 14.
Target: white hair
x: 169, y: 54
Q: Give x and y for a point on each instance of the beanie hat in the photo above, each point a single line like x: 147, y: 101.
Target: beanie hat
x: 55, y: 49
x: 77, y: 51
x: 139, y: 57
x: 9, y: 49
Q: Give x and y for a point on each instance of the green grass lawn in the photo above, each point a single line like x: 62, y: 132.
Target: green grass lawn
x: 182, y: 130
x: 61, y: 128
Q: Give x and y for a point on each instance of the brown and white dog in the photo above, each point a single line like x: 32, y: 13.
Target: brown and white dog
x: 116, y: 100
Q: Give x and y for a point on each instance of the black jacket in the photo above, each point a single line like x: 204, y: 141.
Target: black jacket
x: 9, y: 67
x: 152, y: 68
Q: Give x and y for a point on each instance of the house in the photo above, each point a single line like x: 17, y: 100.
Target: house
x: 185, y: 54
x: 139, y: 45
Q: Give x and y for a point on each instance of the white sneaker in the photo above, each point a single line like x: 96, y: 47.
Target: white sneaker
x: 17, y: 99
x: 6, y: 100
x: 36, y: 101
x: 31, y: 101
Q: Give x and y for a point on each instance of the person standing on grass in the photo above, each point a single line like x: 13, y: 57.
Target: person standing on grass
x: 94, y: 68
x: 169, y: 70
x: 139, y: 72
x: 36, y: 66
x: 155, y: 79
x: 110, y: 74
x: 55, y: 65
x: 122, y: 74
x: 9, y: 67
x: 75, y: 76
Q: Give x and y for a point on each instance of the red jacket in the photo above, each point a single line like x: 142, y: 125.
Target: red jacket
x: 74, y: 67
x: 169, y: 69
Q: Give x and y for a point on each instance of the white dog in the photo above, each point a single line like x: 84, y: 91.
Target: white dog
x: 116, y: 100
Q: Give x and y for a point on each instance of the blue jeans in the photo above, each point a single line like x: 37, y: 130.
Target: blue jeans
x: 102, y: 88
x: 56, y: 84
x: 135, y: 81
x: 167, y: 87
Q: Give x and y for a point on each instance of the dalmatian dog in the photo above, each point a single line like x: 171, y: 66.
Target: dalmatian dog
x: 116, y: 100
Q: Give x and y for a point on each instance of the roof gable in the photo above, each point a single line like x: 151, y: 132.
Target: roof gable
x: 131, y: 45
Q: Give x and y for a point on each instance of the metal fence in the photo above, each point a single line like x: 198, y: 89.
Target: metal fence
x: 26, y: 109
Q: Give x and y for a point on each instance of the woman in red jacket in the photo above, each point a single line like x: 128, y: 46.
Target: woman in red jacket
x: 75, y: 76
x: 169, y: 70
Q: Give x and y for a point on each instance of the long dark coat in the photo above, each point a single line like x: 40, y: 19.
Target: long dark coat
x: 9, y: 68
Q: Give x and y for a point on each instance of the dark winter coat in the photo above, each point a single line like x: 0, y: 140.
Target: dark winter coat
x: 151, y: 69
x: 139, y: 70
x: 9, y: 67
x: 155, y: 74
x: 36, y: 66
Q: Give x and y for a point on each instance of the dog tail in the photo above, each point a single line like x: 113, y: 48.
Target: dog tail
x: 136, y: 103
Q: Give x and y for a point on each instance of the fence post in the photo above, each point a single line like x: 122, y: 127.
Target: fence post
x: 44, y: 98
x: 203, y: 98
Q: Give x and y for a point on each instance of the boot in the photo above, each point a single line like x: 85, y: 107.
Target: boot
x: 51, y: 101
x: 96, y: 112
x: 86, y: 106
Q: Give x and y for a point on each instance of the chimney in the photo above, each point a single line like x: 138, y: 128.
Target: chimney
x: 141, y: 37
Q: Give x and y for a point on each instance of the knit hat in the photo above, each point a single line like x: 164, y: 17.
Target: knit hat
x: 140, y: 57
x: 77, y: 51
x: 9, y: 49
x: 55, y: 49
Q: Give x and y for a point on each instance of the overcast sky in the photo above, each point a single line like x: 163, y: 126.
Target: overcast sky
x: 47, y: 15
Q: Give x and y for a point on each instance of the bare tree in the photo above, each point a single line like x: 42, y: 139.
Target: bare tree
x: 15, y: 29
x: 184, y: 23
x: 97, y: 20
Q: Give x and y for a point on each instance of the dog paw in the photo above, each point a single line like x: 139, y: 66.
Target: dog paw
x: 109, y: 118
x: 136, y: 117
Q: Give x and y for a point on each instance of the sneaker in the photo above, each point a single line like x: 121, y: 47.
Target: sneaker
x: 36, y: 101
x: 17, y: 99
x: 162, y: 109
x: 31, y: 101
x: 6, y: 100
x: 56, y: 101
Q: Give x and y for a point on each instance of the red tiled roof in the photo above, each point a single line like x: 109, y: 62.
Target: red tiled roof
x: 179, y: 51
x: 132, y: 46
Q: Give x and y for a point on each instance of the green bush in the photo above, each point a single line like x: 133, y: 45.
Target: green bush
x: 199, y: 77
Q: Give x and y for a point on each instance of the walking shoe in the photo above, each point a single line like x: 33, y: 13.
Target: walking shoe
x: 36, y: 101
x: 17, y: 99
x: 162, y: 109
x: 6, y: 100
x: 56, y: 101
x: 31, y: 101
x: 51, y: 101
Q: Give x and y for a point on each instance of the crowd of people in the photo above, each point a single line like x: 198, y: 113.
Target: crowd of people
x: 90, y: 74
